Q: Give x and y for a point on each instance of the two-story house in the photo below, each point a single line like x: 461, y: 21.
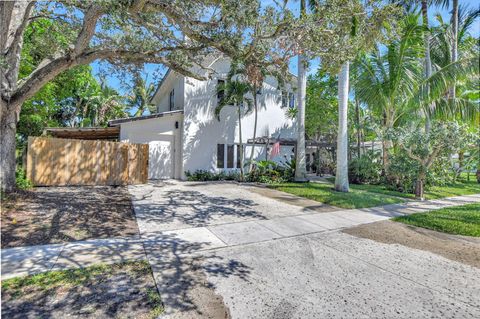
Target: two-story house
x: 185, y: 135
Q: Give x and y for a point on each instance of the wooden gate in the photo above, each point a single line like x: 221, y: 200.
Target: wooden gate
x: 60, y: 162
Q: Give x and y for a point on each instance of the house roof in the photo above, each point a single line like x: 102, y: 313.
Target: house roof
x: 160, y: 84
x: 140, y: 118
x: 169, y: 72
x: 84, y: 133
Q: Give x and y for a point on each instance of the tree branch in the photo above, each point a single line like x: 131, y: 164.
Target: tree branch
x: 88, y: 28
x: 49, y: 69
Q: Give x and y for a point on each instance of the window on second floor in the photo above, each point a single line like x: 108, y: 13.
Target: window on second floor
x: 220, y: 92
x: 284, y: 99
x: 171, y: 100
x: 291, y: 100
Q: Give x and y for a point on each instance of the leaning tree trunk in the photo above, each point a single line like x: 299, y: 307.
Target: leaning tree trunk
x: 341, y: 176
x: 454, y: 41
x: 254, y: 128
x: 8, y: 129
x: 300, y: 165
x: 428, y: 60
x: 419, y: 184
x: 357, y: 119
x: 240, y: 155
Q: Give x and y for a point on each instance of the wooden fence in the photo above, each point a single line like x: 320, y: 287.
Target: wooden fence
x: 60, y: 162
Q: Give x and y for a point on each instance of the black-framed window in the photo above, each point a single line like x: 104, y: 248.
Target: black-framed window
x: 171, y: 100
x: 284, y: 98
x: 238, y: 156
x: 220, y: 155
x: 230, y: 156
x: 291, y: 100
x: 220, y: 92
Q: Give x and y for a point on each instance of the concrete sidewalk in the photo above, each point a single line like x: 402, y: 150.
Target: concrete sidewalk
x: 35, y: 259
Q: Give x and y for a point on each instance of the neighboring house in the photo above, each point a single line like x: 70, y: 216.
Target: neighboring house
x: 184, y: 134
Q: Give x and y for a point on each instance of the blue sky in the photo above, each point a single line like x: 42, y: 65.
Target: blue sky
x: 153, y: 73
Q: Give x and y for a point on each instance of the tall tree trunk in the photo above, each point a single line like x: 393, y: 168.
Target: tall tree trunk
x: 428, y: 60
x: 8, y: 129
x: 419, y: 184
x: 454, y: 40
x: 385, y: 146
x: 300, y: 165
x: 341, y: 176
x: 240, y: 155
x: 357, y: 119
x: 254, y: 128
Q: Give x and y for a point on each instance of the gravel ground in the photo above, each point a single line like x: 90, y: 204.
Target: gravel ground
x: 48, y: 215
x: 116, y: 291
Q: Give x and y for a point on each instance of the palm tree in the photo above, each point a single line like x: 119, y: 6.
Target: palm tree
x: 387, y: 79
x: 254, y: 76
x: 393, y: 85
x: 300, y: 164
x: 461, y: 105
x: 341, y: 176
x: 234, y: 95
x: 141, y: 95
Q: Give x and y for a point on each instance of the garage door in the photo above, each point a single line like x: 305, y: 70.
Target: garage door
x: 160, y: 160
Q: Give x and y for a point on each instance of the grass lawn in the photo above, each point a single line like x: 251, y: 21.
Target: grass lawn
x: 361, y: 196
x: 356, y: 198
x: 125, y: 290
x: 460, y: 220
x: 462, y: 187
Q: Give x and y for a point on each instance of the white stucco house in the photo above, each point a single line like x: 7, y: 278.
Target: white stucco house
x: 185, y: 135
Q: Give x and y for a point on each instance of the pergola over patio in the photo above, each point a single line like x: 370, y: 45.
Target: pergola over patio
x: 84, y: 133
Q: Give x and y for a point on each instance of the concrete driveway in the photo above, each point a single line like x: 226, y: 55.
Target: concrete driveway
x: 221, y: 249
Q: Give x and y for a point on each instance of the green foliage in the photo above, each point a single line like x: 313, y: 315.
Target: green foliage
x: 139, y: 99
x: 204, y: 175
x: 460, y: 220
x: 402, y: 173
x: 365, y: 170
x: 443, y: 139
x: 321, y: 115
x: 74, y: 98
x: 21, y: 180
x: 270, y: 172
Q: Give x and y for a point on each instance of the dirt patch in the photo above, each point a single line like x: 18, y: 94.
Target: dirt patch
x: 184, y: 287
x: 49, y: 215
x: 121, y: 290
x: 458, y: 248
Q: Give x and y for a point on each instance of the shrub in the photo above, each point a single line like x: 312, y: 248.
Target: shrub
x: 402, y: 173
x: 21, y: 180
x: 365, y: 169
x: 271, y: 172
x: 203, y: 176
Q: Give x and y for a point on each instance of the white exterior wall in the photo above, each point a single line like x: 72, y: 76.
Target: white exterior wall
x: 161, y: 129
x: 162, y: 97
x: 202, y: 131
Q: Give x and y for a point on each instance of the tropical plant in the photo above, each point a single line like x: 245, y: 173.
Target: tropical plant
x: 140, y: 98
x: 365, y: 169
x: 425, y: 148
x: 234, y: 94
